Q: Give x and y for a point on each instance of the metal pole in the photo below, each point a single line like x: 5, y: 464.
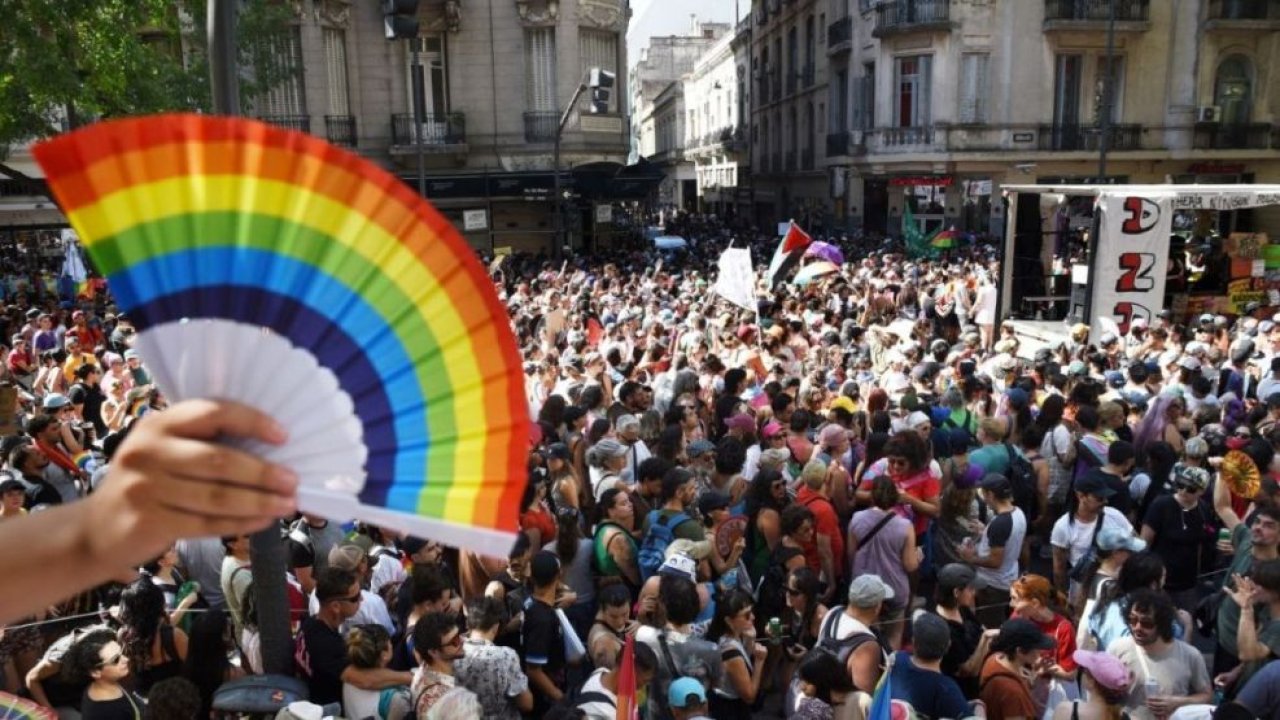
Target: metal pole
x: 1104, y: 123
x: 266, y: 550
x: 557, y: 211
x: 419, y: 100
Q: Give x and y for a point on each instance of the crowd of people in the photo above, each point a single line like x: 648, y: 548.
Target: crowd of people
x: 863, y: 483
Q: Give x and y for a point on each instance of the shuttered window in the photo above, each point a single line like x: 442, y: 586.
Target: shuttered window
x: 973, y: 87
x: 540, y: 69
x: 335, y: 60
x: 287, y: 97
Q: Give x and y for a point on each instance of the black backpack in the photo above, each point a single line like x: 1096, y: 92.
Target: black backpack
x: 1022, y: 476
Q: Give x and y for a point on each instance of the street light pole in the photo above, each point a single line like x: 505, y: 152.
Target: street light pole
x: 419, y: 100
x: 1104, y: 122
x: 557, y: 222
x: 266, y: 549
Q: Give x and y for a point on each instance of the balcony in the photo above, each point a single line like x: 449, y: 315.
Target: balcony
x: 301, y: 123
x: 1232, y: 136
x: 898, y: 17
x: 340, y: 130
x: 904, y: 139
x: 1243, y: 15
x: 733, y: 139
x: 1067, y: 138
x: 806, y: 159
x: 541, y: 125
x: 1094, y: 15
x: 840, y: 36
x: 440, y: 132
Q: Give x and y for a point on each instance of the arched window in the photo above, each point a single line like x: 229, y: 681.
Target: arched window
x: 1233, y: 90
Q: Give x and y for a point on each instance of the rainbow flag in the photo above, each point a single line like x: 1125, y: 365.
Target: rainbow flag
x: 628, y: 708
x: 882, y: 698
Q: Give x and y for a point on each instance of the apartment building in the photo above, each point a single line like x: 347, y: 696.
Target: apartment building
x: 937, y: 103
x: 789, y: 70
x: 716, y: 135
x: 660, y: 83
x: 497, y: 75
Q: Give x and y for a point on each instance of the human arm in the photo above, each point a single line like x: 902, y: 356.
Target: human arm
x: 910, y: 553
x: 926, y: 506
x: 179, y: 612
x: 43, y: 670
x: 306, y: 578
x: 769, y: 524
x: 539, y: 679
x: 864, y: 666
x: 145, y: 504
x: 1245, y: 594
x: 746, y: 684
x: 375, y: 678
x: 973, y: 666
x: 624, y: 558
x: 827, y: 560
x: 1060, y: 557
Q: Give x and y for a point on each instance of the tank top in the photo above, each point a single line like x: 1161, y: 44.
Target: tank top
x: 171, y: 667
x: 883, y: 554
x: 605, y: 564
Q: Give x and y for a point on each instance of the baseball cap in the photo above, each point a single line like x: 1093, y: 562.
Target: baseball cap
x: 1115, y: 378
x: 1094, y: 484
x: 1190, y: 476
x: 1107, y: 670
x: 610, y: 448
x: 712, y: 500
x: 1021, y: 634
x: 843, y: 403
x: 11, y: 483
x: 33, y: 313
x: 995, y: 482
x: 868, y: 591
x: 679, y: 566
x: 771, y: 429
x: 1189, y: 363
x: 346, y: 556
x: 956, y: 575
x: 1107, y: 338
x: 698, y: 448
x: 55, y: 401
x: 1077, y: 367
x: 740, y: 421
x: 1111, y: 538
x: 682, y: 690
x: 559, y: 451
x: 1138, y: 324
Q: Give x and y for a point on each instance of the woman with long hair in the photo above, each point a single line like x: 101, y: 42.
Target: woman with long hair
x: 551, y: 418
x: 535, y: 517
x: 874, y: 452
x: 566, y: 486
x: 207, y: 665
x: 1158, y: 472
x: 1161, y: 423
x: 156, y: 649
x: 955, y: 600
x: 614, y: 548
x: 575, y: 436
x: 369, y: 648
x: 164, y: 573
x: 906, y: 462
x: 961, y: 517
x: 733, y: 629
x: 574, y: 551
x: 881, y: 542
x: 802, y: 619
x: 766, y: 497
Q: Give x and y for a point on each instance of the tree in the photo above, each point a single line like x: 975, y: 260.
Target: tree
x: 64, y: 63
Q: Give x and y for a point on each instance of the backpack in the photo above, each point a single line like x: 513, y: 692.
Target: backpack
x: 840, y: 648
x: 1022, y: 476
x: 653, y: 550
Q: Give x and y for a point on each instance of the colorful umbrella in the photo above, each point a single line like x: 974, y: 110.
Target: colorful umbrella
x: 945, y: 239
x: 815, y: 270
x: 826, y: 251
x: 13, y: 707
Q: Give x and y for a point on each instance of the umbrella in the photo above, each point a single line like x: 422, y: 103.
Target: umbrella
x: 815, y: 270
x: 945, y: 239
x: 13, y: 707
x: 825, y: 251
x: 670, y: 242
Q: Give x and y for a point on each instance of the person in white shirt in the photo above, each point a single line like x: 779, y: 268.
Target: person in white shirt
x: 373, y: 609
x: 598, y: 698
x: 1074, y: 533
x: 628, y: 429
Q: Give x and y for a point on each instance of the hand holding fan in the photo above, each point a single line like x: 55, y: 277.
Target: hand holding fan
x: 270, y: 268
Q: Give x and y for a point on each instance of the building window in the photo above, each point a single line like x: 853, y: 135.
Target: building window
x: 1117, y: 89
x: 540, y: 69
x: 1066, y: 90
x: 1233, y: 90
x: 973, y: 88
x: 435, y: 79
x: 335, y: 60
x: 810, y: 47
x: 912, y: 77
x: 287, y: 96
x: 840, y: 101
x: 599, y: 48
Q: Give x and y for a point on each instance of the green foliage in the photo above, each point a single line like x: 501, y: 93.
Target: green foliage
x: 68, y: 62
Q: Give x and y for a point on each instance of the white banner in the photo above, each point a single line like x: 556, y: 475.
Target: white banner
x: 737, y: 280
x: 1132, y: 260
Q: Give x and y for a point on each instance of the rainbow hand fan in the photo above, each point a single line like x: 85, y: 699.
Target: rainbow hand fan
x: 268, y: 267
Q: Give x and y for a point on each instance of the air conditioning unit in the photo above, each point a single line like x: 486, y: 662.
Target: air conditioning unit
x: 1209, y: 114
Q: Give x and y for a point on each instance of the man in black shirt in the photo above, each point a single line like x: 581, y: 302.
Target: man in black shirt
x: 29, y: 461
x: 320, y: 651
x: 87, y: 396
x: 1120, y: 460
x: 543, y: 639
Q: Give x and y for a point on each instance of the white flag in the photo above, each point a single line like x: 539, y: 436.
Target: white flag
x: 737, y: 280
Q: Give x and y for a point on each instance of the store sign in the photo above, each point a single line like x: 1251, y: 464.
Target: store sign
x: 925, y: 180
x: 604, y: 213
x: 475, y: 220
x: 1133, y: 254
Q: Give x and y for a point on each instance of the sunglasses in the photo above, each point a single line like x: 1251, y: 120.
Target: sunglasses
x: 1144, y: 623
x: 113, y: 660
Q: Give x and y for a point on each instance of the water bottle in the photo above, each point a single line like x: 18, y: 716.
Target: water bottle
x: 1152, y: 688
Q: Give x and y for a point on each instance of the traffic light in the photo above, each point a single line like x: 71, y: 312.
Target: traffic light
x: 601, y: 85
x: 400, y: 19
